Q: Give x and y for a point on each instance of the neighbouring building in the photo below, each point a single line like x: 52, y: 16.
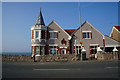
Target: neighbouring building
x: 52, y: 39
x: 115, y: 34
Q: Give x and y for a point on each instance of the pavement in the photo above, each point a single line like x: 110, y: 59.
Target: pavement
x: 84, y: 69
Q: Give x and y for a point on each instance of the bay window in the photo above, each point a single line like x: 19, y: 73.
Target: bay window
x: 53, y: 50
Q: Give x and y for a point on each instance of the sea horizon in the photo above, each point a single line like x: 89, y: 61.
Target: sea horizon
x: 16, y: 53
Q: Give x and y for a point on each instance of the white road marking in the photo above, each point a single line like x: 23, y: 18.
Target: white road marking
x: 51, y: 69
x: 112, y: 67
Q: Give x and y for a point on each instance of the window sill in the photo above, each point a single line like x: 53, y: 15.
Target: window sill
x: 43, y: 39
x: 87, y: 38
x: 53, y: 38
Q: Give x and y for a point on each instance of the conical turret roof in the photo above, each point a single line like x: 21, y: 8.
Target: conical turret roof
x: 40, y: 20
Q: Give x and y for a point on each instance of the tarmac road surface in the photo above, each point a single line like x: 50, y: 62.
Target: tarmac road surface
x: 85, y: 69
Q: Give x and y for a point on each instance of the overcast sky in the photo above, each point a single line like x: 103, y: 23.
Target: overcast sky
x: 17, y: 19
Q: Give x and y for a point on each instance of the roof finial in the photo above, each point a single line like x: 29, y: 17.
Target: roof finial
x: 40, y: 9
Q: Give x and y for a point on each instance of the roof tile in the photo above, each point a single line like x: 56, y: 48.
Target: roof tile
x: 117, y: 27
x: 69, y: 31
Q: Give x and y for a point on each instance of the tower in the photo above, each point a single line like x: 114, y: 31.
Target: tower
x: 38, y: 36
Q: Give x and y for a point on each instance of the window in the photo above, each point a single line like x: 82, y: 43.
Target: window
x: 78, y: 49
x: 53, y: 35
x: 37, y: 34
x: 93, y: 49
x: 37, y: 50
x: 64, y: 42
x: 87, y: 35
x: 84, y: 35
x: 53, y: 50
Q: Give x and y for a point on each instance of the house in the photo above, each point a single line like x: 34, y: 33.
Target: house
x: 91, y: 39
x: 52, y: 39
x: 115, y: 34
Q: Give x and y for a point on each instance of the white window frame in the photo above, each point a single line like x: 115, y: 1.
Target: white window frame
x: 77, y: 48
x: 87, y: 34
x: 53, y: 49
x: 94, y: 45
x: 53, y: 36
x: 63, y: 50
x: 36, y: 34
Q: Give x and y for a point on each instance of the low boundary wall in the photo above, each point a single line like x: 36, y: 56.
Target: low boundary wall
x: 107, y: 55
x: 45, y: 58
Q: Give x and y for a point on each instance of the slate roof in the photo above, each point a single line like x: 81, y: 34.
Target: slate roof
x: 40, y: 20
x: 69, y: 31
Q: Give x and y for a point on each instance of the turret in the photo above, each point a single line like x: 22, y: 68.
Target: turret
x: 39, y: 30
x: 39, y: 34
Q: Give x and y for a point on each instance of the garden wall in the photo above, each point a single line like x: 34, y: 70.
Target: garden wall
x: 45, y: 58
x: 107, y: 55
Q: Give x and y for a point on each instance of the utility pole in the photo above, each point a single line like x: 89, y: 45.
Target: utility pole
x: 79, y: 13
x: 80, y: 29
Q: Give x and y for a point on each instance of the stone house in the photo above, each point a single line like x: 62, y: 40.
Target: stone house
x: 52, y: 39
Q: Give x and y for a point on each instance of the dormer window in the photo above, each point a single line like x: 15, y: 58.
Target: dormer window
x: 87, y: 34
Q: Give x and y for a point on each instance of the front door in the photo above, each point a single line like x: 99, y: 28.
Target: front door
x: 63, y: 51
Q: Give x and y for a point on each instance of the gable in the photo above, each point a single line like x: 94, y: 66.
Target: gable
x: 115, y: 33
x: 86, y: 26
x: 96, y: 37
x: 53, y: 26
x: 115, y: 29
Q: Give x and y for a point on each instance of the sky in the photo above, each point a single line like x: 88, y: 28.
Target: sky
x: 18, y: 17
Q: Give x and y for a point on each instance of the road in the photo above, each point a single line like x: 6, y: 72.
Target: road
x: 85, y: 69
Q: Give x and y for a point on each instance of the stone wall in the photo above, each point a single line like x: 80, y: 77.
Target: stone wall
x: 16, y: 58
x: 56, y: 58
x: 45, y: 58
x: 107, y: 55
